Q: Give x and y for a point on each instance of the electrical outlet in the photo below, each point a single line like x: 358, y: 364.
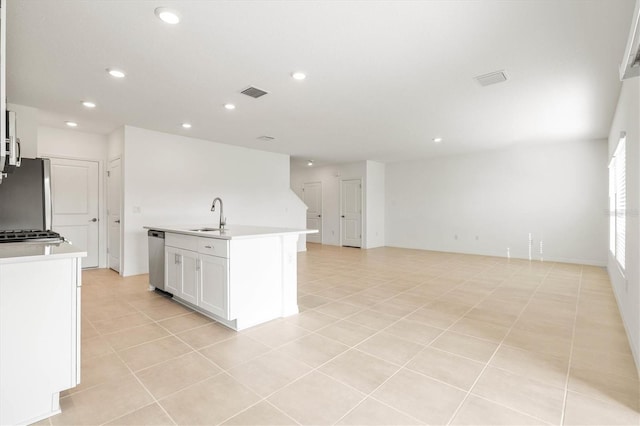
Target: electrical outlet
x: 455, y: 237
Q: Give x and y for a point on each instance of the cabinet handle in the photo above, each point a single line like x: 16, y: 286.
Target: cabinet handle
x: 197, y: 264
x: 208, y: 247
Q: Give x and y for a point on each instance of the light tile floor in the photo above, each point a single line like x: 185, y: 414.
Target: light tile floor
x: 385, y: 336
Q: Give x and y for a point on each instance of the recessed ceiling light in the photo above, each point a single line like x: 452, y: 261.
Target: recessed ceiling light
x: 89, y: 104
x: 437, y: 140
x: 298, y: 75
x: 229, y: 106
x: 167, y: 15
x: 186, y: 125
x: 71, y: 123
x: 310, y: 163
x: 115, y: 73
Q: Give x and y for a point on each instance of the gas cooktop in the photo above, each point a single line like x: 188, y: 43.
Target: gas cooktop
x: 30, y: 235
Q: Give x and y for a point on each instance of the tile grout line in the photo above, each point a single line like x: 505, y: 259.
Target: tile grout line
x: 130, y: 372
x: 135, y: 376
x: 573, y: 336
x: 311, y: 332
x: 422, y: 374
x: 370, y: 395
x: 197, y: 351
x: 171, y: 334
x: 473, y: 385
x: 221, y: 368
x: 317, y: 368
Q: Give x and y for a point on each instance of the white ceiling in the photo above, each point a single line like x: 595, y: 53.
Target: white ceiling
x: 384, y: 77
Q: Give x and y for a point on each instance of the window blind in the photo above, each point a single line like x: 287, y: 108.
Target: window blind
x: 612, y: 206
x: 621, y: 201
x: 618, y: 202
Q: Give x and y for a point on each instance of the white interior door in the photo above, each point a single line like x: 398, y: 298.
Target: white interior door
x: 351, y: 213
x: 313, y: 199
x: 75, y: 198
x: 114, y: 200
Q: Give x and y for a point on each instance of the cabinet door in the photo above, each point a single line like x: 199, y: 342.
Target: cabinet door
x: 38, y: 352
x: 214, y: 288
x: 172, y: 270
x: 189, y: 284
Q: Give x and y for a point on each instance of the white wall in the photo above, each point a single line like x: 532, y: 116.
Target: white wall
x: 76, y: 145
x: 375, y: 204
x: 65, y: 143
x: 330, y: 176
x: 487, y: 202
x: 172, y: 180
x: 627, y: 287
x: 115, y: 144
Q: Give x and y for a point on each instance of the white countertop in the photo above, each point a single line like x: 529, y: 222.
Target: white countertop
x: 28, y: 252
x: 231, y: 232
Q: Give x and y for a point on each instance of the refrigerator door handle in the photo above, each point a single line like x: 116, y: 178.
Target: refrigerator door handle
x: 48, y: 213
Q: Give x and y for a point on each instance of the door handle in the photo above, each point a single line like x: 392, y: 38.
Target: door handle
x: 319, y: 215
x: 342, y: 216
x: 93, y: 220
x: 118, y: 221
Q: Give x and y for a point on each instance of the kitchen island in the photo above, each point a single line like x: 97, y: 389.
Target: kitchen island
x: 240, y: 276
x: 39, y: 328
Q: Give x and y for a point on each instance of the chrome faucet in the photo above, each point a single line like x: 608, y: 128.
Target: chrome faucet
x: 223, y: 220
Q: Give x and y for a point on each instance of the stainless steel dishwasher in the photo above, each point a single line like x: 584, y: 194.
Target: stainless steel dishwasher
x: 156, y: 259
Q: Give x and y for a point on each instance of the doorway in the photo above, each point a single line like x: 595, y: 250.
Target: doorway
x: 351, y: 213
x: 75, y: 196
x: 312, y: 192
x: 114, y: 202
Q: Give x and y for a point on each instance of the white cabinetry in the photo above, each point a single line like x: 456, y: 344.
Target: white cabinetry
x: 241, y: 277
x: 182, y: 277
x: 39, y: 337
x: 182, y: 274
x: 214, y: 285
x: 196, y: 273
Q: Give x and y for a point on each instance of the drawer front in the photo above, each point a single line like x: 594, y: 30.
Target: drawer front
x: 186, y: 242
x: 213, y: 247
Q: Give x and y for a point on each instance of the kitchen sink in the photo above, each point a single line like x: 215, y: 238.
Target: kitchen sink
x: 204, y: 229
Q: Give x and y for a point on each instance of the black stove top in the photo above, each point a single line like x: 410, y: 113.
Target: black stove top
x: 30, y: 235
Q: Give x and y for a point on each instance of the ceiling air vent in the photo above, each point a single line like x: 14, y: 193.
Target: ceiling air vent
x: 254, y: 92
x: 491, y: 78
x: 266, y: 138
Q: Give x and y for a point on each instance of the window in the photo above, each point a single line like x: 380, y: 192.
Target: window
x: 618, y: 202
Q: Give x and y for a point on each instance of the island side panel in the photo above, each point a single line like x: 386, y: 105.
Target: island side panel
x: 290, y: 274
x: 255, y: 277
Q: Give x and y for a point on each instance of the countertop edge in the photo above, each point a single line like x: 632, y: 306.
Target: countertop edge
x: 228, y: 234
x: 31, y: 252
